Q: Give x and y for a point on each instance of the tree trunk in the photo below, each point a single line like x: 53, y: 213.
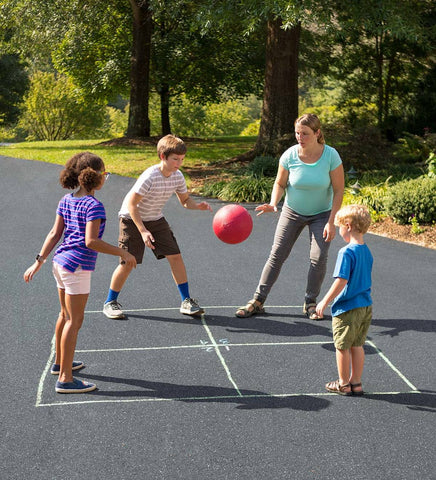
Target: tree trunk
x: 139, y: 122
x: 164, y: 93
x: 379, y: 62
x: 280, y: 98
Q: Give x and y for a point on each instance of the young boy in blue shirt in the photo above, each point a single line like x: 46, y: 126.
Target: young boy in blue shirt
x: 142, y: 223
x: 352, y: 304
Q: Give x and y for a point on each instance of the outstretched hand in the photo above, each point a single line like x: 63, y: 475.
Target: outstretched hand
x: 266, y: 207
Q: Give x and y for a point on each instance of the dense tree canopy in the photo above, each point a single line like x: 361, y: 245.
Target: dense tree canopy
x: 379, y: 53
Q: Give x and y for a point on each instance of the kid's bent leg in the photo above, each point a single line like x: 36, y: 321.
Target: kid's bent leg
x: 319, y: 249
x: 288, y: 230
x: 76, y: 311
x: 119, y: 277
x: 178, y: 268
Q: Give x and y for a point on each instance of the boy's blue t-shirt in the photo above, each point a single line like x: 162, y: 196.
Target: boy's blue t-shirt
x: 309, y: 190
x: 354, y: 263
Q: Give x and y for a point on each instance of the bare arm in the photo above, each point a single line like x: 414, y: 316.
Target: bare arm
x: 94, y: 243
x: 338, y: 185
x: 337, y: 286
x: 132, y: 205
x: 50, y: 242
x: 188, y: 202
x: 277, y: 193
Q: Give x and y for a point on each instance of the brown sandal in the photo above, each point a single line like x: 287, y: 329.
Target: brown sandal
x: 245, y: 312
x: 309, y: 310
x: 336, y: 387
x: 356, y: 393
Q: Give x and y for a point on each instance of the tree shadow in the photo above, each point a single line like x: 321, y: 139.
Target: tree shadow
x: 250, y: 399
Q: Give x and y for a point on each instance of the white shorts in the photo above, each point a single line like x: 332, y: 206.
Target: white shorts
x: 74, y: 283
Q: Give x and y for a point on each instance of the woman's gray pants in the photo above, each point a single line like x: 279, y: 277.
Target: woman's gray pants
x: 289, y: 227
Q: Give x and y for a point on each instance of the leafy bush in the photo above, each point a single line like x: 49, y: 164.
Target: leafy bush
x: 263, y: 167
x: 252, y: 129
x: 213, y: 190
x: 412, y: 199
x: 372, y: 197
x: 431, y: 162
x: 117, y: 121
x: 248, y: 189
x: 55, y: 109
x: 242, y: 189
x: 363, y: 146
x: 213, y: 119
x: 411, y: 149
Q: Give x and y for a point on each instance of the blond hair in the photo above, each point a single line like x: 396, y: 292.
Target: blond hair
x: 357, y: 216
x: 312, y: 121
x: 171, y: 144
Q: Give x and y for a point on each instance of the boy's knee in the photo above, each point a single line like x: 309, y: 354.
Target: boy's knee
x: 177, y: 258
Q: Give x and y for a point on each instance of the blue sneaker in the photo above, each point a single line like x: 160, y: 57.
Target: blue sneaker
x: 56, y: 368
x: 76, y: 386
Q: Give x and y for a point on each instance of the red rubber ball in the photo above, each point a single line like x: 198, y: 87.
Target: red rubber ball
x: 232, y: 224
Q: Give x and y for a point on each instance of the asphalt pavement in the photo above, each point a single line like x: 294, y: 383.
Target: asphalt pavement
x: 214, y: 397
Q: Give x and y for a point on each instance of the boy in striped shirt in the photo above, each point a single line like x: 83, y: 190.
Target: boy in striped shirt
x: 142, y: 224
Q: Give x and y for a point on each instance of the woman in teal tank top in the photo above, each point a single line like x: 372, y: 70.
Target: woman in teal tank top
x: 312, y: 177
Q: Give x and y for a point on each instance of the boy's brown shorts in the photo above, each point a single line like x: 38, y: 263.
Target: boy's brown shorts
x: 131, y: 240
x: 350, y: 328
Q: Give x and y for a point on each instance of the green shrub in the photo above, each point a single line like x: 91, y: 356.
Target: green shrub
x: 431, y: 162
x: 242, y: 189
x: 252, y: 129
x: 55, y: 109
x: 212, y: 190
x: 372, y: 197
x: 412, y: 198
x: 411, y: 149
x: 263, y: 167
x: 248, y: 189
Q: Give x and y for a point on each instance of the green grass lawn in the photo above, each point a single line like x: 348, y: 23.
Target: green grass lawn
x: 129, y: 161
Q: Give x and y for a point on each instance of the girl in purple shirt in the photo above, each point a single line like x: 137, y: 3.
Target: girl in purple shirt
x: 80, y: 218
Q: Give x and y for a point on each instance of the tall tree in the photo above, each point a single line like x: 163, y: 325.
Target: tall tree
x: 204, y: 66
x: 131, y: 48
x: 284, y: 20
x: 280, y: 97
x: 383, y: 50
x: 139, y: 122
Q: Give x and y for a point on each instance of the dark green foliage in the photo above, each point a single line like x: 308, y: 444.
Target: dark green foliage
x: 412, y: 198
x: 412, y: 148
x: 263, y: 167
x: 14, y: 83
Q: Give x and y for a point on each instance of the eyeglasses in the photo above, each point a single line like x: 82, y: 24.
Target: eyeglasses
x: 106, y: 175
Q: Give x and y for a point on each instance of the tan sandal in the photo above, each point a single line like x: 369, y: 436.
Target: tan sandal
x: 336, y: 387
x: 309, y: 309
x: 252, y: 308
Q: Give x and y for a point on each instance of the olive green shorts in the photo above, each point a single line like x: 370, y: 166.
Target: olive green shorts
x: 350, y: 328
